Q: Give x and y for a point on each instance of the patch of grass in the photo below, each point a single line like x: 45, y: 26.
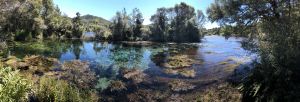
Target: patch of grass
x: 220, y: 93
x: 53, y: 90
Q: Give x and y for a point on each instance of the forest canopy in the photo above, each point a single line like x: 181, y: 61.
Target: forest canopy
x: 41, y: 19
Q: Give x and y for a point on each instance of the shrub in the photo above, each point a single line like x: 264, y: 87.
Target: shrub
x: 54, y: 90
x: 13, y: 87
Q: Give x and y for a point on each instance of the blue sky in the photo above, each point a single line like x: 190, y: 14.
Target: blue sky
x: 108, y: 8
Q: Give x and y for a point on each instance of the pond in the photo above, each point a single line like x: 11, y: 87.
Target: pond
x: 199, y: 64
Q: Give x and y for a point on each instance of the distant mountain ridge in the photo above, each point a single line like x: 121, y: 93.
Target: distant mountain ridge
x: 91, y: 18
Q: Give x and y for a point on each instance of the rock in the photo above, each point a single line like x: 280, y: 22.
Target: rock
x: 178, y: 86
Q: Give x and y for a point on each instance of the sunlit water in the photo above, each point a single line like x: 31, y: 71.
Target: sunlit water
x: 105, y: 56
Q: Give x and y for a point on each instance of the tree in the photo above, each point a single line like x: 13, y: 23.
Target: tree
x: 275, y: 24
x: 178, y: 24
x: 126, y: 27
x: 201, y: 20
x: 137, y: 19
x: 117, y: 27
x: 160, y: 25
x: 77, y: 26
x: 27, y: 19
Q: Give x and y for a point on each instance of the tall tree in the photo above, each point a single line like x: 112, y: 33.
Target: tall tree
x: 275, y: 24
x: 137, y: 19
x: 160, y: 25
x: 77, y: 26
x: 179, y: 24
x: 117, y: 27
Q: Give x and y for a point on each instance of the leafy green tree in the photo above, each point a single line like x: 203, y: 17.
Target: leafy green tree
x: 34, y: 19
x: 117, y: 27
x: 137, y: 19
x: 201, y: 20
x: 178, y: 24
x: 160, y: 25
x: 275, y: 24
x: 77, y: 26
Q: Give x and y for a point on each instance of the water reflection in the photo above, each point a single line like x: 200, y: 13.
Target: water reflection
x: 106, y: 58
x: 186, y: 66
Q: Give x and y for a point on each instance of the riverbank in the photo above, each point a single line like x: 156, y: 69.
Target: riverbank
x: 118, y: 72
x: 44, y: 75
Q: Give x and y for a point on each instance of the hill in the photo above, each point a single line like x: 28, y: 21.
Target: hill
x: 90, y: 19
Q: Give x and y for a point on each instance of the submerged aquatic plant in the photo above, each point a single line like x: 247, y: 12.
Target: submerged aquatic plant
x: 179, y: 61
x: 179, y: 85
x: 13, y: 87
x: 117, y: 86
x: 102, y: 84
x: 79, y: 73
x: 134, y: 75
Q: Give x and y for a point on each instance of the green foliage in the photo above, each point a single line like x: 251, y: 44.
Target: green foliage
x: 127, y: 27
x: 77, y: 26
x: 36, y: 19
x: 53, y: 90
x: 137, y: 24
x: 178, y: 24
x: 275, y: 24
x: 160, y: 26
x: 13, y: 87
x: 103, y: 84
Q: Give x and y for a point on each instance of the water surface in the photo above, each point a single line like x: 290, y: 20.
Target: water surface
x: 216, y: 55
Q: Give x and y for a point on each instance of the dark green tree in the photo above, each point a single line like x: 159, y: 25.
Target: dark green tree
x: 137, y: 19
x: 77, y: 26
x: 275, y: 24
x: 160, y: 26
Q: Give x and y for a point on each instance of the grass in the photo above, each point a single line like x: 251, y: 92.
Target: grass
x: 53, y: 90
x: 220, y: 93
x: 13, y: 88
